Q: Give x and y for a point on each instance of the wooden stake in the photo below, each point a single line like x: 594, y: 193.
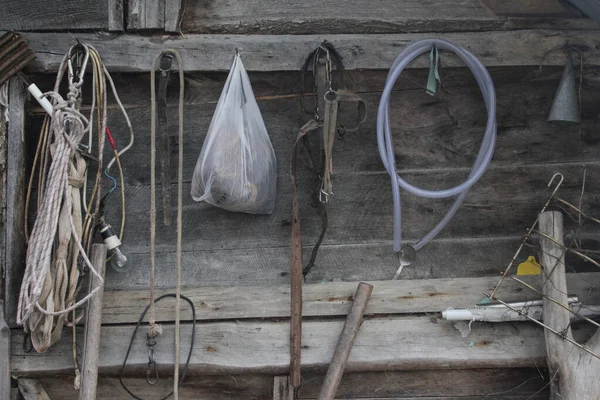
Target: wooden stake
x: 344, y: 345
x: 93, y: 325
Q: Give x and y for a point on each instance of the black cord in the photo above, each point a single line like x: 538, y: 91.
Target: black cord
x: 187, y: 363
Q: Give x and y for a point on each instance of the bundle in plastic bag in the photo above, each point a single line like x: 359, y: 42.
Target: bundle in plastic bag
x: 237, y: 169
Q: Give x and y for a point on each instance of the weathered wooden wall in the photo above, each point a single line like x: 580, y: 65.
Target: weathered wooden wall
x: 435, y: 142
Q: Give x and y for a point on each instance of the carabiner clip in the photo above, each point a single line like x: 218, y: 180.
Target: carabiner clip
x: 152, y: 378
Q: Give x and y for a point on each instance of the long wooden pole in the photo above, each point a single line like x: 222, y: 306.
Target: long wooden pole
x: 346, y: 341
x: 93, y: 325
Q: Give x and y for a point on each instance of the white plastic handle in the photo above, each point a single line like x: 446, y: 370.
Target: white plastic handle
x: 39, y: 96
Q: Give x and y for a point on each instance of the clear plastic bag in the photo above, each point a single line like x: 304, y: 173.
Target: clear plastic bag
x: 237, y: 168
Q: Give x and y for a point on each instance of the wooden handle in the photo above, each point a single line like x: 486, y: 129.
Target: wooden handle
x: 346, y: 341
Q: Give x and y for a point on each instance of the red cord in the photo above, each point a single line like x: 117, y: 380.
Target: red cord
x: 110, y: 139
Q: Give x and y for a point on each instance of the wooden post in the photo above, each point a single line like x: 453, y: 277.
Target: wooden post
x: 93, y: 325
x: 346, y: 341
x: 575, y: 371
x: 32, y: 389
x: 14, y: 231
x: 4, y: 355
x: 116, y: 18
x: 282, y: 390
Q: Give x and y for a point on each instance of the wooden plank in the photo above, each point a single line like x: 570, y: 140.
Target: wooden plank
x: 436, y: 385
x: 116, y: 18
x: 5, y: 347
x: 32, y: 389
x: 39, y: 15
x: 145, y: 14
x: 361, y: 211
x: 335, y: 298
x: 93, y: 324
x: 381, y: 16
x: 519, y: 8
x: 588, y: 7
x: 15, y: 199
x: 173, y: 13
x: 214, y: 387
x: 428, y: 132
x: 130, y: 53
x: 383, y: 344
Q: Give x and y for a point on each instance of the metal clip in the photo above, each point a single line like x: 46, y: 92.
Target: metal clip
x: 325, y: 197
x: 166, y: 62
x: 152, y: 370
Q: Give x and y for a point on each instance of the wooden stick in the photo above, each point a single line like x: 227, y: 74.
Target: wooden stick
x: 344, y: 345
x: 93, y: 325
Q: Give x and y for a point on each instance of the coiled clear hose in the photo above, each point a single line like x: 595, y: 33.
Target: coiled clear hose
x: 386, y: 145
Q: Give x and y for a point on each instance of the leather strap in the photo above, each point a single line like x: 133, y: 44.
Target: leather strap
x: 164, y: 140
x: 296, y: 265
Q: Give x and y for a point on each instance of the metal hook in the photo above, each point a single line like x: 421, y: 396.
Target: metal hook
x: 560, y: 182
x: 152, y: 378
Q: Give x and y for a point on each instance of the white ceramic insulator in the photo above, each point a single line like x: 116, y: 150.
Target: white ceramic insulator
x: 39, y: 96
x: 112, y: 242
x: 457, y: 315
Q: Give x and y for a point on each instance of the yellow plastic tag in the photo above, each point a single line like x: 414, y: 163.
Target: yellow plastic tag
x: 529, y: 267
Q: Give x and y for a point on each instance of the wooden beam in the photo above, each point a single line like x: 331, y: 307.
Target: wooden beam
x: 383, y: 344
x: 116, y: 18
x: 93, y: 325
x: 278, y: 53
x: 15, y: 199
x: 467, y: 384
x: 334, y: 298
x: 381, y: 16
x: 32, y: 389
x: 32, y: 15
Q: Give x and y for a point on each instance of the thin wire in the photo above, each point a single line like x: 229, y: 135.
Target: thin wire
x: 113, y: 180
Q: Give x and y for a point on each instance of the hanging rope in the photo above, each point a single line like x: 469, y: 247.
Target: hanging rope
x: 63, y: 231
x: 154, y: 329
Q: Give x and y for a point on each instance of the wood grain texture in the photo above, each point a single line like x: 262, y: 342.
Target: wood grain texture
x: 145, y: 14
x: 381, y: 16
x: 423, y: 385
x: 32, y: 389
x: 383, y: 344
x: 335, y: 298
x: 93, y: 327
x: 519, y: 8
x: 173, y: 13
x: 116, y: 18
x: 15, y: 198
x: 39, y: 15
x: 129, y: 53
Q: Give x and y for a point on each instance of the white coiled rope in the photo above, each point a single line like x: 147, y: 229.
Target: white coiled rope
x: 386, y: 145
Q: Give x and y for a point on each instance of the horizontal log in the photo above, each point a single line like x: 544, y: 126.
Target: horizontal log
x: 288, y: 52
x: 438, y: 384
x: 39, y: 15
x: 329, y: 299
x: 383, y: 344
x: 381, y: 16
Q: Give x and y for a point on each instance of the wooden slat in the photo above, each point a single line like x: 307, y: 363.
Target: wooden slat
x: 15, y: 198
x: 438, y: 385
x: 116, y: 18
x: 40, y: 15
x: 504, y: 201
x: 279, y: 53
x: 380, y: 16
x: 383, y: 344
x: 173, y: 12
x: 335, y: 298
x: 145, y: 14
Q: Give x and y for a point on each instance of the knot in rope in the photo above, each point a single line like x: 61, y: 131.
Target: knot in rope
x: 154, y: 330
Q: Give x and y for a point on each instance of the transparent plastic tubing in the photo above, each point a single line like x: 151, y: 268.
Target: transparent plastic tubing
x: 386, y: 145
